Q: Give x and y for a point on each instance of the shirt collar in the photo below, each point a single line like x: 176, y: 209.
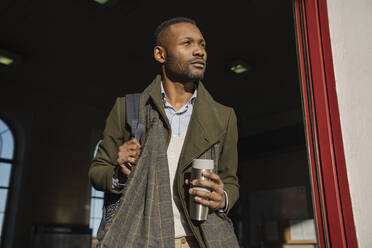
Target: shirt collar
x: 164, y: 96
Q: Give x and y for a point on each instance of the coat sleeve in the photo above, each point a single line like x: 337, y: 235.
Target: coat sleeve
x: 102, y: 168
x: 228, y: 163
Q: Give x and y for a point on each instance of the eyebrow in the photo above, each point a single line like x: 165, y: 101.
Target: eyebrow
x: 190, y: 38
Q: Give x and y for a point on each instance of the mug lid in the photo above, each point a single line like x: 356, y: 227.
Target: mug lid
x: 203, y: 164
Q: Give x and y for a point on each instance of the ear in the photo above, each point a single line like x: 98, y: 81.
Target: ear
x: 159, y: 54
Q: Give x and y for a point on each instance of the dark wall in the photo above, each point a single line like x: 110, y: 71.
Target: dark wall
x: 59, y: 137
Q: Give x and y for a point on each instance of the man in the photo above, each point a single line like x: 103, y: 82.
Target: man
x: 182, y: 122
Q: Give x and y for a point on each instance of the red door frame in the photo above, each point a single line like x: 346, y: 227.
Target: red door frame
x: 322, y: 126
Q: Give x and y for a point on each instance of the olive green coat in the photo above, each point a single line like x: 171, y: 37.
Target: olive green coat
x: 205, y: 129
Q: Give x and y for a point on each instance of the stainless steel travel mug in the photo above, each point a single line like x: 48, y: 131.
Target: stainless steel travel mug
x: 197, y: 210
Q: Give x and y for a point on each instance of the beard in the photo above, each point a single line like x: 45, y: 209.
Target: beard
x: 181, y: 71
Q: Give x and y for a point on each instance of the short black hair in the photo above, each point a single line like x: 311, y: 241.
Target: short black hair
x: 165, y: 24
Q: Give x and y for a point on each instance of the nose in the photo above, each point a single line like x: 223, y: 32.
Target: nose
x: 199, y: 52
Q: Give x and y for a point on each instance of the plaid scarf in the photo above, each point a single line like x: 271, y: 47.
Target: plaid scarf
x: 144, y: 215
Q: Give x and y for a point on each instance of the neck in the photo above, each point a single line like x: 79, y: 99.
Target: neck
x: 178, y: 93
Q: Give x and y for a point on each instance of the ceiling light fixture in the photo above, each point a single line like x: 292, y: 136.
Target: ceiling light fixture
x: 239, y: 67
x: 9, y: 58
x: 6, y: 60
x: 101, y: 1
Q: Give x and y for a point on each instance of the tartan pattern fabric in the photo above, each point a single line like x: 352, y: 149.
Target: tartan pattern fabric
x: 144, y: 216
x: 218, y: 231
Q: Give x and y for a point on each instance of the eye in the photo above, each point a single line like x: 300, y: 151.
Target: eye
x: 203, y: 45
x: 187, y: 42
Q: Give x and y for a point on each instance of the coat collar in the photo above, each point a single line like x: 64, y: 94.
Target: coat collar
x: 205, y: 128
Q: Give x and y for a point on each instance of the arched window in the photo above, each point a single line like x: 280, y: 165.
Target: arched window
x: 6, y: 163
x: 96, y: 204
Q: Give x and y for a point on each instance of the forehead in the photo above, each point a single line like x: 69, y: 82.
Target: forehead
x: 184, y: 30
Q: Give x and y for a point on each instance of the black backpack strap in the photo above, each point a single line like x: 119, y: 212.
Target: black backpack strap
x: 111, y: 201
x: 132, y: 102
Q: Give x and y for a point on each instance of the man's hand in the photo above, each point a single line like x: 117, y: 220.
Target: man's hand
x: 214, y: 199
x: 128, y: 154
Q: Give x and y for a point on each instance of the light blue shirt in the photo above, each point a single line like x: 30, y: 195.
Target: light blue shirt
x: 179, y: 120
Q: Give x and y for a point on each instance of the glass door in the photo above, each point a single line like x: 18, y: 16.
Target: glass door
x: 294, y: 190
x: 277, y: 196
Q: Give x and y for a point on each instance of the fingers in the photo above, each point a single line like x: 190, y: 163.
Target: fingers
x: 131, y: 160
x: 133, y: 143
x: 206, y: 195
x: 126, y: 171
x: 213, y: 176
x: 129, y: 152
x: 214, y: 199
x: 136, y: 143
x: 215, y: 184
x: 133, y: 154
x: 130, y: 145
x: 209, y: 199
x: 122, y: 158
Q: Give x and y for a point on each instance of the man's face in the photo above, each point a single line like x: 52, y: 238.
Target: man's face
x: 185, y: 52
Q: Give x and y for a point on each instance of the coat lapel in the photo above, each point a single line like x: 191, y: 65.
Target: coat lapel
x: 204, y: 130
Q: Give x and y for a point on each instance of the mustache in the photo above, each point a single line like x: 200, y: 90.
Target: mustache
x: 199, y: 61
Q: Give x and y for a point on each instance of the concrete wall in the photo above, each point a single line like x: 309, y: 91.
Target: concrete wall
x: 351, y: 39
